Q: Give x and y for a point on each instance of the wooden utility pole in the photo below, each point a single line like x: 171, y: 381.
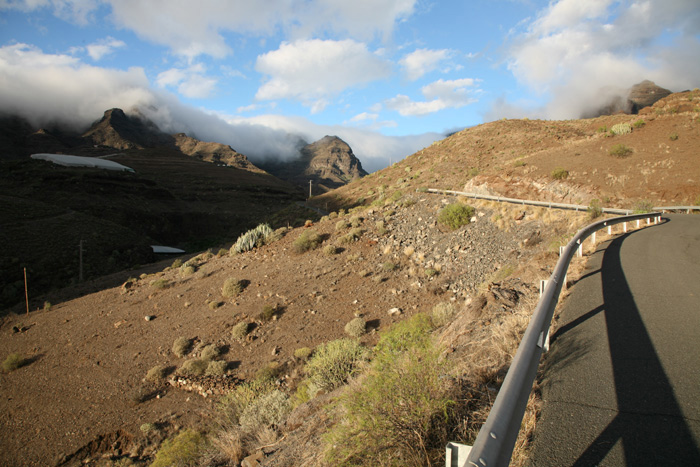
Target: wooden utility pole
x: 26, y: 292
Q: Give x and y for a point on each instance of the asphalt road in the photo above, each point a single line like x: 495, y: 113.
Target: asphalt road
x: 622, y: 378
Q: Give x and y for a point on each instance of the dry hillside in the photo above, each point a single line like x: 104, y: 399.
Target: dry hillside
x: 101, y: 384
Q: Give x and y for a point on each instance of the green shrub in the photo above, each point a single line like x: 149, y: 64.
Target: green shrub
x: 442, y: 314
x: 673, y: 137
x: 47, y: 306
x: 215, y: 304
x: 560, y: 173
x: 267, y: 313
x: 160, y: 284
x: 269, y: 371
x: 620, y: 150
x: 252, y: 238
x: 12, y: 362
x: 302, y: 353
x: 352, y: 236
x: 639, y: 123
x: 187, y: 270
x: 595, y: 210
x: 697, y: 201
x: 156, y: 374
x: 148, y: 427
x: 239, y: 331
x: 334, y: 362
x: 233, y: 404
x: 643, y: 206
x: 330, y: 250
x: 210, y: 352
x: 399, y: 415
x: 342, y: 224
x: 194, y: 367
x: 621, y: 129
x: 308, y: 240
x: 222, y: 252
x: 232, y: 287
x: 182, y: 346
x: 270, y: 409
x: 183, y: 450
x: 176, y: 264
x: 431, y: 272
x: 355, y: 327
x: 388, y: 266
x: 216, y: 368
x: 356, y: 221
x: 455, y: 215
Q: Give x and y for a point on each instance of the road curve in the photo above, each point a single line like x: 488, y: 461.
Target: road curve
x: 621, y: 383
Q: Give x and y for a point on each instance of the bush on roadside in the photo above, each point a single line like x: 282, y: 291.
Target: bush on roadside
x: 455, y: 215
x: 252, y: 238
x: 334, y: 362
x: 398, y: 415
x: 560, y: 173
x: 270, y: 409
x: 355, y: 327
x: 183, y: 450
x: 442, y: 314
x: 595, y: 210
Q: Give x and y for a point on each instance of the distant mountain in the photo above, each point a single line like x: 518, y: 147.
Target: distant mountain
x: 212, y: 152
x: 120, y: 131
x: 629, y: 101
x: 329, y: 163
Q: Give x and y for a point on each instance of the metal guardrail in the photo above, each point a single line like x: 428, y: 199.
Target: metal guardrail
x: 549, y: 204
x: 494, y: 444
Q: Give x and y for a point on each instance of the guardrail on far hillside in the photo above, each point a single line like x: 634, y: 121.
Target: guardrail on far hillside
x: 493, y: 446
x: 549, y: 204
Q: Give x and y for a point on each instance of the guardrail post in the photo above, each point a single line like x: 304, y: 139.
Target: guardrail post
x: 579, y: 251
x: 637, y: 223
x: 593, y: 238
x: 624, y: 226
x: 561, y: 250
x: 543, y: 284
x: 610, y: 230
x: 456, y: 454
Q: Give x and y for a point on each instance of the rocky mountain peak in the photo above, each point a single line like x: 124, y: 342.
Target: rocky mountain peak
x: 645, y: 94
x: 121, y: 131
x: 332, y: 159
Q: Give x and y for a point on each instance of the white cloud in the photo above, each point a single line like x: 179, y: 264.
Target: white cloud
x: 443, y: 94
x: 48, y: 88
x: 190, y: 82
x: 364, y: 116
x: 76, y: 11
x: 193, y: 28
x: 574, y: 48
x: 45, y: 88
x: 422, y: 61
x: 103, y: 47
x: 311, y: 71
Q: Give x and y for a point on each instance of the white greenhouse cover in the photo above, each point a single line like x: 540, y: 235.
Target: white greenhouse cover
x: 166, y: 249
x: 80, y: 161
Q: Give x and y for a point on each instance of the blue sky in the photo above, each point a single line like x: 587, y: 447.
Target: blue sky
x: 388, y: 76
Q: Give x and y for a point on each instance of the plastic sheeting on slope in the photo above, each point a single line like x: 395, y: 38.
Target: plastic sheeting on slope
x: 80, y: 161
